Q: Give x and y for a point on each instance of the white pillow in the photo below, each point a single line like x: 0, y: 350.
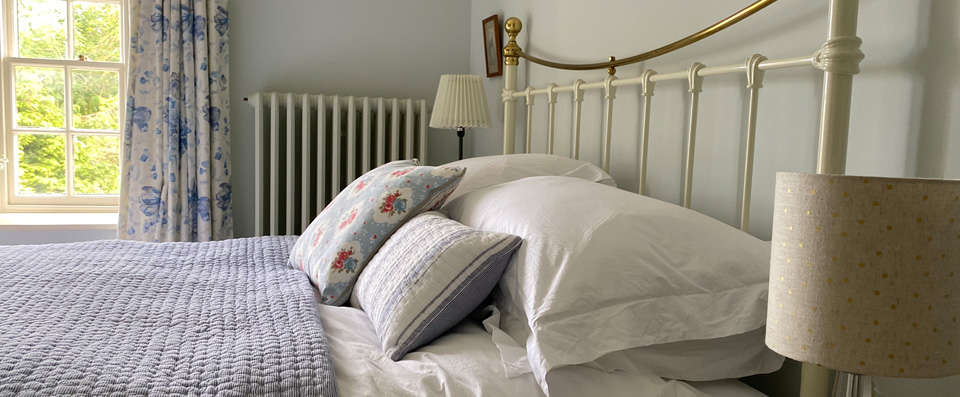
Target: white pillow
x: 728, y: 357
x: 493, y: 170
x: 603, y: 270
x: 734, y: 356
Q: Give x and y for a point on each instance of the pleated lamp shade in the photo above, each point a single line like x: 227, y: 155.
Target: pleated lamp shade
x: 865, y: 274
x: 460, y: 102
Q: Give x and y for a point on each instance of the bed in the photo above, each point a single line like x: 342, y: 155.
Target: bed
x: 517, y: 274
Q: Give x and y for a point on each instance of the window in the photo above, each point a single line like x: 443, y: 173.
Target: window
x: 63, y: 77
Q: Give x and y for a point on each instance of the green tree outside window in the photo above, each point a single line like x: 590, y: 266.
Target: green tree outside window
x: 40, y: 98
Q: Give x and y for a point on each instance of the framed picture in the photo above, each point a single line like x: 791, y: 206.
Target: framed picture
x: 492, y: 47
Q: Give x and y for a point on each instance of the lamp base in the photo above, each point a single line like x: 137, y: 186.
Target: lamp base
x: 460, y: 134
x: 856, y: 385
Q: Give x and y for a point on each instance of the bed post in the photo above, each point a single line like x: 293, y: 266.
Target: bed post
x: 511, y: 58
x: 839, y: 58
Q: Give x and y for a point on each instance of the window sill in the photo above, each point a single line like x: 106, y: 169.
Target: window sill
x: 55, y: 221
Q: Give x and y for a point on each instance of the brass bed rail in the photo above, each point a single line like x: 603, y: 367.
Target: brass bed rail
x: 512, y: 49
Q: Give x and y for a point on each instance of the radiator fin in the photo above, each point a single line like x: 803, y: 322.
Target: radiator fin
x: 309, y: 147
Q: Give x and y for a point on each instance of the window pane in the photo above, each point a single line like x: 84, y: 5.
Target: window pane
x: 41, y: 28
x: 96, y: 165
x: 97, y: 31
x: 41, y: 164
x: 39, y: 93
x: 96, y: 103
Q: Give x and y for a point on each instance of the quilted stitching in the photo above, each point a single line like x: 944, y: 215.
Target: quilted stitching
x: 124, y: 318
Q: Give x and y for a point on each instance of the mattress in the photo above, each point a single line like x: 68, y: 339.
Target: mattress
x: 466, y: 362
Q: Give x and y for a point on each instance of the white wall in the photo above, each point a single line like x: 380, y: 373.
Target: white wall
x: 364, y: 48
x: 903, y: 120
x: 10, y: 237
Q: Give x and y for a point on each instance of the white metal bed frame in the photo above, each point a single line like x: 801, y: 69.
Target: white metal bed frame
x: 839, y: 58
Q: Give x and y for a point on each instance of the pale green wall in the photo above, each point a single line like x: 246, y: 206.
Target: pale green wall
x: 8, y: 237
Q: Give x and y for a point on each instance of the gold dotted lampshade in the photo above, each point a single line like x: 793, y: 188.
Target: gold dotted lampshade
x: 865, y: 274
x: 460, y: 102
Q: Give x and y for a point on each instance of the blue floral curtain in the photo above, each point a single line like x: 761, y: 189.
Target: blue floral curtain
x: 176, y: 150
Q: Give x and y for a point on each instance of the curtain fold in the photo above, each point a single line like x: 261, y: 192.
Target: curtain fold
x: 175, y: 183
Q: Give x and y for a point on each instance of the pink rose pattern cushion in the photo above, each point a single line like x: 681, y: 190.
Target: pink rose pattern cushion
x: 346, y: 234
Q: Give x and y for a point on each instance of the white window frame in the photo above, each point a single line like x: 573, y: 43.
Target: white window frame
x: 9, y: 200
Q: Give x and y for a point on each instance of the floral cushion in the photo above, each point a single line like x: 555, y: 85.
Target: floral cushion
x: 346, y: 234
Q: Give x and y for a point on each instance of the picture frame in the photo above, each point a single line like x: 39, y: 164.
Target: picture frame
x: 492, y: 46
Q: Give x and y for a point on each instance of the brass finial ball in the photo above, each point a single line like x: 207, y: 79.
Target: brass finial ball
x: 513, y: 26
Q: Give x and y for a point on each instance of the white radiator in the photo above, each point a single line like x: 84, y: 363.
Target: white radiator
x: 309, y: 147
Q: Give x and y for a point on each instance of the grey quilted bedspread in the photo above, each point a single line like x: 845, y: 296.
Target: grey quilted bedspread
x: 120, y: 318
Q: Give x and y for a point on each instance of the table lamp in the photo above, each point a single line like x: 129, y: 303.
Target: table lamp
x: 865, y: 275
x: 460, y: 103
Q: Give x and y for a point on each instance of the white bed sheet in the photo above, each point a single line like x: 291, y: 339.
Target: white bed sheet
x: 466, y: 362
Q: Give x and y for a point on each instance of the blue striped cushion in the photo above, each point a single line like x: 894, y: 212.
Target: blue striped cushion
x: 427, y: 277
